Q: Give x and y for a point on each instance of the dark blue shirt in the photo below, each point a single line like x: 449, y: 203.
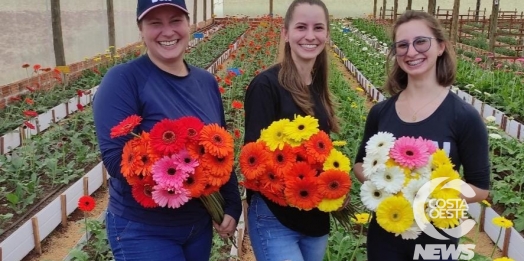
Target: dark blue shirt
x: 140, y: 87
x: 455, y: 126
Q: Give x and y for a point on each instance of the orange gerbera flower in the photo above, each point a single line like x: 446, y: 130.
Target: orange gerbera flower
x: 216, y: 140
x: 283, y: 159
x: 334, y: 184
x: 126, y: 126
x: 318, y: 147
x: 192, y: 127
x: 168, y: 137
x: 271, y: 180
x: 142, y: 193
x: 195, y: 150
x: 135, y: 179
x: 300, y: 153
x: 300, y: 170
x: 145, y: 156
x: 253, y: 159
x: 253, y: 184
x: 237, y: 104
x: 210, y: 189
x: 196, y: 183
x: 217, y: 167
x: 303, y: 193
x: 129, y: 157
x: 278, y: 197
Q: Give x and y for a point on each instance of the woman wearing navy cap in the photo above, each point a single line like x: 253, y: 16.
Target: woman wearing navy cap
x: 156, y: 86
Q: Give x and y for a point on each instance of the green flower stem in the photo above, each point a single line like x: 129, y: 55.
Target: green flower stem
x: 496, y: 243
x: 358, y: 242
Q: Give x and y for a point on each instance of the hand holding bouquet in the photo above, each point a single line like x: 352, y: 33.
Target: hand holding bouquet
x: 295, y: 164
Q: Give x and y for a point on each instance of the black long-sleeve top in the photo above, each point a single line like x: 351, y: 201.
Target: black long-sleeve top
x: 456, y: 126
x: 267, y: 101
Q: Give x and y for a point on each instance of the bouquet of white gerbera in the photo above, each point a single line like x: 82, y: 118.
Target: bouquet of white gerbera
x: 408, y: 180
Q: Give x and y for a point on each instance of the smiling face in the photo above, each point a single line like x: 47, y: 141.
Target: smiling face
x: 165, y: 31
x: 307, y: 32
x: 421, y: 63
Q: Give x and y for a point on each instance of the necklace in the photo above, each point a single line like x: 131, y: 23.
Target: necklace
x: 414, y: 115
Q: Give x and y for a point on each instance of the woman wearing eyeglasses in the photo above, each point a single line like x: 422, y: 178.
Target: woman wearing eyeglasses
x: 422, y: 67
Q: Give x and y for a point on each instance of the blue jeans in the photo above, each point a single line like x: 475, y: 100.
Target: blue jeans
x: 134, y: 241
x: 272, y: 241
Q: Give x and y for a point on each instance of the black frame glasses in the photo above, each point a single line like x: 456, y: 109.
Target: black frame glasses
x: 415, y: 43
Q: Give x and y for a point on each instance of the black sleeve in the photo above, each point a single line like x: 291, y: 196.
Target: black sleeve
x: 473, y: 148
x: 260, y: 105
x: 371, y: 129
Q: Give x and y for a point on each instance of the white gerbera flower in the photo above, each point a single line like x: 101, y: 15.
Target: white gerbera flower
x: 495, y: 136
x: 381, y: 143
x: 411, y: 233
x: 390, y: 180
x: 491, y: 119
x: 411, y: 190
x: 423, y: 172
x: 492, y: 127
x: 374, y: 163
x: 371, y: 196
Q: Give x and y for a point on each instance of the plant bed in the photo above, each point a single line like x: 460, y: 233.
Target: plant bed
x: 52, y: 106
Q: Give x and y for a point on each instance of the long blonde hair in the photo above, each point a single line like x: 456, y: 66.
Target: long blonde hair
x: 289, y: 78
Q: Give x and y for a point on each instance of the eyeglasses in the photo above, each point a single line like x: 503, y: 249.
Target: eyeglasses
x: 421, y: 45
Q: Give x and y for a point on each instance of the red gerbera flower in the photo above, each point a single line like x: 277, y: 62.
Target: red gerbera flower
x: 237, y: 133
x: 30, y: 113
x: 86, y: 203
x: 168, y: 137
x: 80, y: 93
x: 303, y: 193
x: 237, y: 105
x: 29, y: 100
x: 271, y: 181
x: 29, y: 125
x: 334, y: 184
x: 192, y: 126
x: 318, y: 147
x: 143, y: 193
x: 278, y: 197
x: 80, y: 107
x: 126, y: 126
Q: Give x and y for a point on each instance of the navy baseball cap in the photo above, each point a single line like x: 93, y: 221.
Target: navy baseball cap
x: 144, y: 6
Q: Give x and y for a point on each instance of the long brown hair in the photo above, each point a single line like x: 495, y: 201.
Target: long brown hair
x: 446, y: 63
x: 289, y: 78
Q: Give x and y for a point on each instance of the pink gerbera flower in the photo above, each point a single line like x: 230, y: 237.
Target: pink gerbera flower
x: 430, y: 145
x: 409, y: 153
x: 166, y: 172
x: 170, y: 196
x: 185, y: 162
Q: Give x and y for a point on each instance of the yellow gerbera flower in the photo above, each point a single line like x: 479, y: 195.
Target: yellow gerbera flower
x: 440, y: 158
x: 362, y: 218
x: 339, y: 143
x: 274, y: 136
x: 486, y: 203
x: 447, y: 212
x: 503, y: 259
x: 328, y: 205
x: 301, y: 128
x: 337, y: 160
x: 446, y: 171
x: 395, y: 214
x: 502, y: 222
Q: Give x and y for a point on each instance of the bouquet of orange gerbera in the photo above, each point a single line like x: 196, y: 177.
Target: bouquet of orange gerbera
x: 293, y: 163
x: 176, y: 161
